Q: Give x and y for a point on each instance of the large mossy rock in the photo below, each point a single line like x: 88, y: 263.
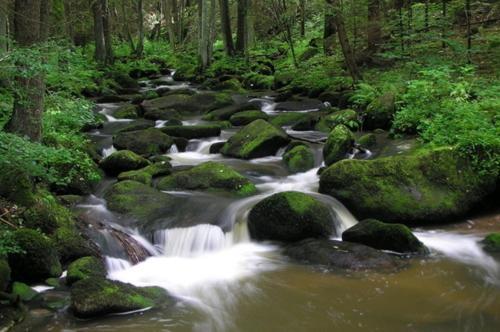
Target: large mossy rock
x: 225, y: 113
x: 191, y: 132
x: 347, y: 117
x: 127, y: 111
x: 38, y: 260
x: 246, y: 117
x: 379, y: 235
x: 139, y: 200
x: 209, y: 176
x: 16, y: 185
x: 137, y: 175
x: 162, y: 114
x: 379, y: 112
x: 184, y: 103
x: 258, y: 139
x: 339, y: 143
x: 290, y: 119
x: 143, y: 142
x: 340, y: 256
x: 299, y: 159
x: 425, y: 186
x: 289, y: 216
x: 492, y: 242
x: 123, y: 161
x: 95, y: 296
x: 4, y: 274
x: 84, y: 268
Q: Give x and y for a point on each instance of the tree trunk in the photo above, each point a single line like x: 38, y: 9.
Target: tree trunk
x: 4, y: 19
x: 302, y: 7
x: 225, y: 22
x: 426, y: 18
x: 26, y: 118
x: 140, y: 25
x: 67, y: 20
x: 344, y: 41
x: 108, y: 40
x: 241, y: 32
x: 443, y: 24
x: 469, y: 32
x: 204, y: 43
x: 329, y: 33
x: 100, y: 48
x: 399, y: 6
x: 45, y: 9
x: 374, y: 31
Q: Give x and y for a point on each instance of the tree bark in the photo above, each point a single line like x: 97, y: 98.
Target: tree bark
x: 443, y: 24
x: 469, y: 32
x: 329, y: 33
x: 302, y: 7
x: 344, y: 41
x: 225, y: 22
x: 45, y: 9
x: 108, y: 40
x: 100, y: 47
x: 4, y: 20
x: 26, y: 118
x: 204, y: 43
x: 140, y: 25
x: 374, y: 31
x: 241, y: 32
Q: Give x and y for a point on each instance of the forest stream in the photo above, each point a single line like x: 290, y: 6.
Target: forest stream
x: 202, y: 255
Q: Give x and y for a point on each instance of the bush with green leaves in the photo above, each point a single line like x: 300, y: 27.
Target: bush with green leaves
x: 8, y: 244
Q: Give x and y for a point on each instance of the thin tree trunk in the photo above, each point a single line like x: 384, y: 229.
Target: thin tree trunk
x: 443, y: 24
x: 26, y: 118
x: 108, y: 40
x: 426, y: 18
x: 410, y: 23
x: 100, y: 48
x: 45, y: 9
x: 302, y: 6
x: 4, y: 19
x: 126, y: 27
x: 204, y: 34
x: 344, y: 41
x: 67, y: 20
x: 329, y: 33
x: 140, y: 25
x: 225, y: 22
x: 241, y: 32
x: 374, y: 31
x: 469, y: 32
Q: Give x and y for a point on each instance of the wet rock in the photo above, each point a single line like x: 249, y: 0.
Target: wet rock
x: 299, y: 159
x: 139, y: 200
x: 162, y: 114
x: 38, y: 260
x: 289, y: 119
x: 348, y: 118
x: 143, y: 142
x: 289, y: 216
x: 226, y: 112
x: 299, y: 105
x: 216, y: 147
x: 198, y: 103
x: 258, y: 139
x: 190, y: 132
x: 122, y: 161
x: 340, y: 141
x: 338, y: 99
x: 98, y: 296
x: 246, y: 117
x: 379, y: 112
x: 209, y: 176
x: 368, y: 140
x: 379, y: 235
x: 181, y: 143
x: 137, y: 175
x: 341, y: 256
x: 124, y: 80
x: 111, y: 98
x: 430, y: 185
x: 23, y: 291
x: 84, y: 268
x: 159, y: 168
x: 139, y: 124
x: 492, y: 242
x: 127, y: 111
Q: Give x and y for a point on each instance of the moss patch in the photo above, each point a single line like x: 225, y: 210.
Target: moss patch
x: 299, y: 159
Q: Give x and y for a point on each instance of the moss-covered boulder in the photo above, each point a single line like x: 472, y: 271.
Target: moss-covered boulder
x: 139, y: 200
x: 143, y: 142
x: 124, y: 80
x: 492, y: 242
x: 162, y: 114
x: 368, y: 140
x: 122, y: 161
x: 191, y: 132
x: 299, y: 159
x: 139, y: 124
x: 127, y: 111
x: 347, y: 117
x: 71, y: 243
x: 38, y: 260
x: 95, y: 296
x: 423, y: 186
x: 209, y: 176
x: 246, y: 117
x: 23, y: 292
x: 339, y: 143
x: 84, y: 268
x: 289, y: 216
x: 16, y: 185
x: 383, y: 236
x: 184, y: 103
x: 225, y: 113
x: 379, y: 112
x: 159, y: 168
x: 4, y: 274
x: 340, y: 256
x: 289, y: 119
x: 137, y: 175
x: 258, y: 139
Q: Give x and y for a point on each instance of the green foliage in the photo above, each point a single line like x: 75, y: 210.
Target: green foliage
x: 8, y: 244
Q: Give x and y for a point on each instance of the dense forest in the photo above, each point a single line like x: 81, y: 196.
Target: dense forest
x: 243, y: 165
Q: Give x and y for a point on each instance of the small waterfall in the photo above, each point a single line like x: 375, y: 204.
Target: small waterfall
x: 114, y: 264
x: 160, y: 123
x: 173, y: 149
x: 197, y: 152
x: 106, y: 152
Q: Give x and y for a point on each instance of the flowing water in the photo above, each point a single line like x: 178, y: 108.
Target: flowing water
x: 203, y: 255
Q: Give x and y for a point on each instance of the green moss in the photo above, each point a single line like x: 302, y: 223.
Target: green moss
x: 348, y: 118
x: 127, y: 111
x: 492, y: 242
x: 225, y: 113
x: 289, y: 118
x: 423, y: 186
x: 209, y: 176
x: 38, y: 260
x: 145, y: 142
x: 85, y: 267
x: 16, y: 185
x: 159, y: 168
x: 70, y: 243
x: 299, y: 159
x: 246, y: 117
x: 289, y: 216
x: 258, y: 139
x: 138, y: 175
x: 190, y: 132
x: 379, y: 112
x: 339, y: 142
x: 122, y: 161
x: 368, y: 140
x: 23, y: 291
